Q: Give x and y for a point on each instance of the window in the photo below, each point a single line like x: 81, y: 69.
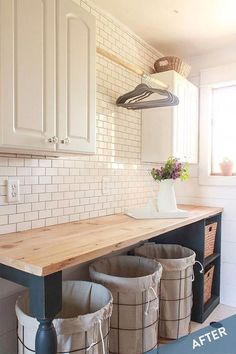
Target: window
x: 223, y: 127
x: 217, y: 124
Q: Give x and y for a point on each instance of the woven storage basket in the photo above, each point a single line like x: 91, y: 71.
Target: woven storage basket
x: 210, y: 238
x: 172, y: 63
x: 208, y: 281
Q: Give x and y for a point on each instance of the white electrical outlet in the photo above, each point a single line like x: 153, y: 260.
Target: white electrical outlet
x: 13, y: 190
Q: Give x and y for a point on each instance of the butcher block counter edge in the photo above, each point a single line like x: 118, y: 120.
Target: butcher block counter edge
x: 47, y: 250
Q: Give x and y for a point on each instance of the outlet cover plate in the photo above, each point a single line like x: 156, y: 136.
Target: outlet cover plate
x: 13, y: 190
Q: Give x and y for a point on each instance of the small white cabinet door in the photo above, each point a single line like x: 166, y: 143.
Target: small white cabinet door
x: 27, y: 97
x: 185, y: 121
x: 172, y: 131
x: 76, y: 55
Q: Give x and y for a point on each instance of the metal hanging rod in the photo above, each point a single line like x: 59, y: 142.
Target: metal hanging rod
x: 131, y: 67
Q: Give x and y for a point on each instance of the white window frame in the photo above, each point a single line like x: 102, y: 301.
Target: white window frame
x: 220, y: 76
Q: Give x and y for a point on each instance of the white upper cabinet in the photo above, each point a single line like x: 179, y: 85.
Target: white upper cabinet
x: 27, y: 97
x: 75, y: 78
x: 47, y: 70
x: 172, y: 131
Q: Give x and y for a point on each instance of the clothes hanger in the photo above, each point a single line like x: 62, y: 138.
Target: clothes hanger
x: 133, y: 99
x: 139, y: 98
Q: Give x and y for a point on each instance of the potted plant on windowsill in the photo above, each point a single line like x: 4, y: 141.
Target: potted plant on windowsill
x: 166, y: 176
x: 226, y: 167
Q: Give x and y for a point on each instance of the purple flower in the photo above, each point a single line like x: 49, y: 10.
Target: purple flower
x: 172, y: 169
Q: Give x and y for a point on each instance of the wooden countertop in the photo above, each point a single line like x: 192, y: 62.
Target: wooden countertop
x: 47, y: 250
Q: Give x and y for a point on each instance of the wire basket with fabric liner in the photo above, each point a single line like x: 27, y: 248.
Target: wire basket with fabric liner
x: 176, y: 297
x: 134, y: 284
x: 82, y: 326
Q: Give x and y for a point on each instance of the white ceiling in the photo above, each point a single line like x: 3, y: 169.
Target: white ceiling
x: 179, y: 27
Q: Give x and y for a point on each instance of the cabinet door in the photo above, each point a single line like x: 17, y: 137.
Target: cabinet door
x: 75, y: 78
x: 27, y: 108
x: 172, y: 131
x: 157, y: 139
x: 185, y: 120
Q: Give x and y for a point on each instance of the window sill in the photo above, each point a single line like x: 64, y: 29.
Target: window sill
x: 217, y: 180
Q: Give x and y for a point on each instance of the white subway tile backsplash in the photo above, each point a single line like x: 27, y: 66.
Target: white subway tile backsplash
x: 58, y: 196
x: 4, y: 161
x: 38, y: 171
x: 16, y: 162
x: 51, y: 205
x: 58, y: 212
x: 38, y: 223
x: 31, y: 180
x: 45, y: 179
x: 63, y: 203
x: 53, y: 221
x: 31, y: 162
x: 22, y: 226
x: 33, y: 215
x: 38, y: 206
x: 8, y: 209
x: 45, y: 197
x: 24, y: 171
x: 45, y: 163
x: 51, y: 188
x: 16, y: 218
x: 5, y: 229
x: 38, y: 188
x: 24, y: 208
x: 45, y: 214
x: 57, y: 179
x: 51, y: 172
x: 3, y: 220
x: 8, y: 171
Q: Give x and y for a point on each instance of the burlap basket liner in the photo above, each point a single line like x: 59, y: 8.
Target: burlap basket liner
x: 134, y: 283
x: 86, y: 306
x: 176, y: 286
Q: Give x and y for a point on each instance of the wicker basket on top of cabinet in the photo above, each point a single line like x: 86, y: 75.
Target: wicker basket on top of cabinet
x: 208, y: 282
x: 172, y: 63
x: 210, y: 237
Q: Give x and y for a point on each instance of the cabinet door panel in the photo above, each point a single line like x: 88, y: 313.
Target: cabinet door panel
x: 172, y: 131
x: 157, y: 140
x: 27, y: 112
x: 76, y: 78
x: 180, y: 121
x: 186, y: 122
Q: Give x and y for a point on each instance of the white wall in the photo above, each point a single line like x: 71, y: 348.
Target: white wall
x: 192, y: 193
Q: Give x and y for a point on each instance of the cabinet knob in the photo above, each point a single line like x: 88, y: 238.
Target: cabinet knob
x: 65, y: 141
x: 53, y: 140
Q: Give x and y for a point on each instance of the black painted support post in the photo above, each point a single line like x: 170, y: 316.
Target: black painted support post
x: 45, y: 303
x: 45, y: 295
x: 46, y: 339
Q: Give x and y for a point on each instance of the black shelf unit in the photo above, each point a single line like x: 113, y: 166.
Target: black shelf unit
x: 211, y: 259
x: 193, y: 236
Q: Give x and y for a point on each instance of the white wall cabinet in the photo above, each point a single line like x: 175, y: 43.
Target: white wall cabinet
x: 47, y: 70
x: 172, y: 131
x: 76, y: 78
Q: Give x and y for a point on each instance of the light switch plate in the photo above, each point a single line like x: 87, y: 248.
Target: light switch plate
x: 13, y: 190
